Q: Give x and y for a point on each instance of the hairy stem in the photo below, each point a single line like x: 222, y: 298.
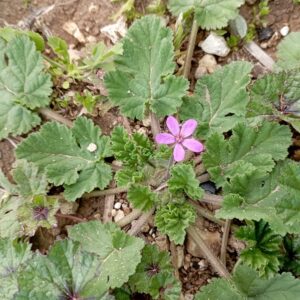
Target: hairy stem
x: 155, y: 126
x: 204, y: 177
x: 190, y: 50
x: 135, y: 229
x: 129, y: 218
x: 215, y: 262
x: 212, y: 199
x: 225, y: 241
x: 112, y: 191
x: 52, y: 115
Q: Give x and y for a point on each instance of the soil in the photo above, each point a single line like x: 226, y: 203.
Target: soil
x: 91, y: 16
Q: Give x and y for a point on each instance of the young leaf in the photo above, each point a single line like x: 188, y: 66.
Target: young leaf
x: 221, y: 99
x: 291, y: 258
x: 65, y: 157
x: 210, y: 14
x: 60, y: 48
x: 288, y: 52
x: 183, y: 179
x: 14, y: 256
x: 248, y: 148
x: 246, y: 284
x: 141, y: 197
x: 273, y: 198
x: 154, y: 276
x: 173, y: 219
x: 23, y: 86
x: 119, y: 253
x: 144, y: 73
x: 263, y: 247
x: 66, y: 272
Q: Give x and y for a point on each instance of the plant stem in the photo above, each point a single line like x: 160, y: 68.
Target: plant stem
x: 54, y: 63
x: 190, y: 50
x: 73, y: 218
x: 200, y: 169
x: 214, y: 261
x: 203, y: 178
x: 129, y: 218
x: 212, y: 199
x: 135, y: 229
x: 155, y: 126
x: 112, y: 191
x: 52, y: 115
x: 225, y: 241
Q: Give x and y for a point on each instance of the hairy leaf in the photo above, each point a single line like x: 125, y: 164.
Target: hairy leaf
x: 291, y: 257
x: 183, y: 179
x: 64, y: 155
x: 23, y: 86
x: 221, y: 99
x: 119, y: 253
x: 248, y: 148
x: 210, y: 14
x: 141, y: 197
x: 263, y: 247
x: 247, y: 285
x: 154, y: 276
x: 273, y: 198
x: 173, y: 219
x: 66, y: 272
x: 289, y: 51
x: 14, y: 256
x: 143, y: 78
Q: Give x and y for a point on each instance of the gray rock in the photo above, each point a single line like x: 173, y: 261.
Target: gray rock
x: 216, y: 45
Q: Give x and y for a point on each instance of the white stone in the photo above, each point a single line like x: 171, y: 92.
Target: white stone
x: 91, y: 147
x: 284, y: 30
x: 113, y: 212
x: 115, y: 31
x: 120, y: 215
x: 72, y: 28
x: 207, y: 65
x: 215, y: 44
x: 117, y: 205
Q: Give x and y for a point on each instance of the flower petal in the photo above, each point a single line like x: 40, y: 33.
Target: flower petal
x: 173, y: 125
x: 178, y: 153
x: 188, y: 128
x: 164, y: 138
x: 193, y: 145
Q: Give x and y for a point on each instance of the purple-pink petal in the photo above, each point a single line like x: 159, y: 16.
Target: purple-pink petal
x: 164, y: 138
x: 178, y: 153
x: 173, y: 125
x: 193, y: 145
x: 188, y: 128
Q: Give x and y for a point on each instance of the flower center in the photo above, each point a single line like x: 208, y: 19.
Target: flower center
x: 179, y: 138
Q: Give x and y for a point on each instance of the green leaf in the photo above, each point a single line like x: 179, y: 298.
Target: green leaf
x: 119, y: 253
x: 273, y: 198
x: 288, y: 52
x: 221, y: 99
x: 66, y: 272
x: 291, y: 257
x: 60, y: 48
x: 134, y: 151
x: 183, y: 179
x: 14, y: 256
x: 154, y: 276
x: 65, y: 157
x: 7, y: 185
x: 246, y: 285
x: 173, y: 219
x: 143, y: 78
x: 141, y: 197
x: 210, y: 14
x: 263, y: 247
x: 30, y: 181
x: 23, y: 86
x: 248, y: 148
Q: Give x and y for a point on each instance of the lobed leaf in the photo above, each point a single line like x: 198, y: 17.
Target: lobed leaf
x: 141, y: 197
x: 23, y: 86
x: 143, y: 78
x: 64, y: 156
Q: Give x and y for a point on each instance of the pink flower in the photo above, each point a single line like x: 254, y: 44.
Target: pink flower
x: 181, y: 137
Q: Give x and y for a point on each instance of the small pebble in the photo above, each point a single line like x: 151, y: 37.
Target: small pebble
x: 91, y: 147
x: 120, y: 215
x: 203, y: 264
x: 284, y: 30
x: 117, y: 205
x: 113, y: 213
x: 215, y: 44
x: 265, y: 33
x: 209, y: 187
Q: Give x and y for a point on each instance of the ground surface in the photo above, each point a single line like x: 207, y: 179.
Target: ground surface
x: 91, y: 16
